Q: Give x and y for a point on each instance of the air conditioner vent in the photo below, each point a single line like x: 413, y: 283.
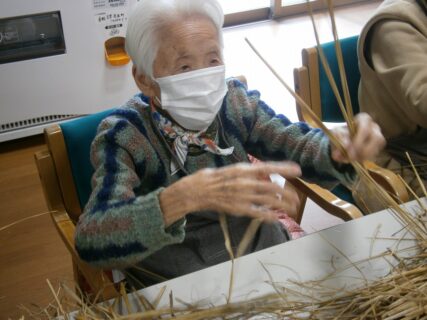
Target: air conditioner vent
x: 27, y: 123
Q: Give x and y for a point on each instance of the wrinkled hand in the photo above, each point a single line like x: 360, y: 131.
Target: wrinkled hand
x: 365, y: 145
x: 243, y: 190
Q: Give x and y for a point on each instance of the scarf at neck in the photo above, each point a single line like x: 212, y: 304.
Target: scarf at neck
x: 182, y: 139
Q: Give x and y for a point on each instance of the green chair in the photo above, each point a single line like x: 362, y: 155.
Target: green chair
x: 65, y: 172
x: 312, y: 84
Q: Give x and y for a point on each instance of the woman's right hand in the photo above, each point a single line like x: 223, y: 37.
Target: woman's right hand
x: 242, y: 190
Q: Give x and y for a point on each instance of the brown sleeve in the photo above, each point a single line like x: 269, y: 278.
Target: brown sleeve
x: 399, y: 57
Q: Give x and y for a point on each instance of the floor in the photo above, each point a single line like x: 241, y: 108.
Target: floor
x: 31, y: 251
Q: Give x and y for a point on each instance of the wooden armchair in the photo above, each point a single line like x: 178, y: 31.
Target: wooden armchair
x: 65, y: 173
x: 312, y: 84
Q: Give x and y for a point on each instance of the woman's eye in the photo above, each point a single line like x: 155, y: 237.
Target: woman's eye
x: 185, y: 68
x: 215, y: 61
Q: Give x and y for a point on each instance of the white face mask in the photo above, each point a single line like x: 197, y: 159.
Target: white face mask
x: 194, y: 98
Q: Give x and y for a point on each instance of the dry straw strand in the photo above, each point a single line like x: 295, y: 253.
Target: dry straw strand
x: 224, y: 227
x: 23, y: 220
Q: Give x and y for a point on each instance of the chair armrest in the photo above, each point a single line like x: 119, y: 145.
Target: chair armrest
x: 327, y: 200
x: 389, y: 181
x: 96, y: 278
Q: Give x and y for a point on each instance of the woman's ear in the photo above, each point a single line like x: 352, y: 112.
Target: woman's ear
x: 147, y: 86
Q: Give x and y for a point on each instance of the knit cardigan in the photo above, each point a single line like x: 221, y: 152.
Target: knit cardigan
x: 122, y: 223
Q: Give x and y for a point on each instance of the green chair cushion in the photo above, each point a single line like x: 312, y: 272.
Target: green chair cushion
x: 331, y: 111
x: 78, y: 136
x: 330, y: 108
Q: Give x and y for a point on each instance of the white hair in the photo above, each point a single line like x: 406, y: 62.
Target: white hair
x: 149, y: 16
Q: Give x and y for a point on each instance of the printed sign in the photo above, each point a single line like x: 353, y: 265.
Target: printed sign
x: 109, y: 4
x: 113, y: 23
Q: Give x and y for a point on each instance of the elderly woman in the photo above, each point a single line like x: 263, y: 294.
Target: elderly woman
x: 176, y: 154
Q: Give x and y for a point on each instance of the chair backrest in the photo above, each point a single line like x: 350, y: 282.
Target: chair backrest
x: 329, y: 105
x: 322, y: 98
x: 69, y: 147
x: 78, y: 135
x: 312, y: 84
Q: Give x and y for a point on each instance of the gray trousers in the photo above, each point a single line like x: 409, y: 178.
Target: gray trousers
x: 202, y: 247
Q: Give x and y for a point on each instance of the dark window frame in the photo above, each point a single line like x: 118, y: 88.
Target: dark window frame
x: 276, y: 11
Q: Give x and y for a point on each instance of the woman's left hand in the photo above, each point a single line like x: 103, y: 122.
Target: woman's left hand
x: 366, y: 143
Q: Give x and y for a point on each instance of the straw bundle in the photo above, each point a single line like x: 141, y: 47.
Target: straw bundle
x: 400, y: 295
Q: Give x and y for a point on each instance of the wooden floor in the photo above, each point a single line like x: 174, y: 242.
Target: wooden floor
x: 31, y: 251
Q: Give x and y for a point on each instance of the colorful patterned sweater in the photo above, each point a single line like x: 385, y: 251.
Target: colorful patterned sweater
x: 122, y: 223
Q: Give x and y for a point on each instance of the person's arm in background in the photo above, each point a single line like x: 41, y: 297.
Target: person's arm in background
x: 398, y: 54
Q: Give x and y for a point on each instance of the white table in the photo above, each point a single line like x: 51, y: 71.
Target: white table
x: 312, y: 257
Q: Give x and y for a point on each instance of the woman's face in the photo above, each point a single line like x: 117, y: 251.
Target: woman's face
x: 185, y: 45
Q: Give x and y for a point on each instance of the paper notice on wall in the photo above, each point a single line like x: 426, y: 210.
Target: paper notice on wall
x: 112, y: 23
x: 109, y: 4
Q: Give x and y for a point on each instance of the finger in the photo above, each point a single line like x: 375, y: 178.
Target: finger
x: 369, y: 145
x: 290, y: 196
x: 373, y: 146
x: 343, y: 135
x: 364, y: 125
x: 337, y: 154
x: 272, y: 190
x: 369, y: 152
x: 289, y: 203
x: 260, y: 170
x: 251, y: 211
x: 360, y: 141
x: 263, y: 213
x: 254, y: 192
x: 232, y: 188
x: 286, y: 169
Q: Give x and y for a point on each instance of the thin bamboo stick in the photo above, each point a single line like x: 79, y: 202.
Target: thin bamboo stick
x: 341, y: 67
x: 328, y: 72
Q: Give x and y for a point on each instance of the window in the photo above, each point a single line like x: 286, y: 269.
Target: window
x: 234, y: 6
x: 281, y: 8
x: 292, y: 2
x: 244, y: 11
